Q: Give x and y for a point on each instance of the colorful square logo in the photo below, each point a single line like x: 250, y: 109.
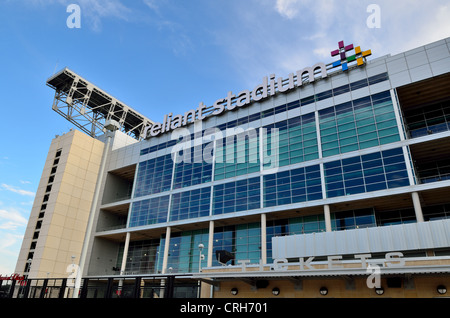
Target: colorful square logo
x: 344, y: 59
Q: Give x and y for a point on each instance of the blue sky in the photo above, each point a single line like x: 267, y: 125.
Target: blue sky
x: 167, y: 55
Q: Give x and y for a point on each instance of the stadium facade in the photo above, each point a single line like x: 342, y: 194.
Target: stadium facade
x: 332, y: 181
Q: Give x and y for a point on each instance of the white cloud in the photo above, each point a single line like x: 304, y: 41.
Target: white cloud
x: 9, y: 251
x: 5, y: 270
x: 322, y: 52
x: 315, y: 27
x: 17, y: 190
x: 152, y: 4
x: 436, y: 26
x: 12, y: 229
x: 288, y: 8
x: 9, y: 240
x: 11, y: 219
x: 105, y: 8
x: 319, y: 13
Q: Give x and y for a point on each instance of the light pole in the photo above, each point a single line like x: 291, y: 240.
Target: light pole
x: 201, y: 256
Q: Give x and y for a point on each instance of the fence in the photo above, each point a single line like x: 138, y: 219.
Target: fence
x: 102, y: 287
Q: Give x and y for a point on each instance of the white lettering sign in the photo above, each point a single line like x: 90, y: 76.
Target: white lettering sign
x: 267, y: 88
x: 393, y: 259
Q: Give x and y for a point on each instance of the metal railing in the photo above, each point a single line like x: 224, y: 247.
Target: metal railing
x: 169, y: 286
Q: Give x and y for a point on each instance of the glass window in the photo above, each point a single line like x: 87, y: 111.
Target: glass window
x: 297, y: 141
x: 293, y: 186
x: 149, y: 211
x: 341, y: 90
x: 385, y: 218
x: 298, y: 225
x: 358, y: 84
x: 428, y: 120
x: 248, y: 242
x: 184, y: 254
x: 367, y: 173
x: 154, y: 176
x: 243, y: 241
x: 362, y: 123
x: 354, y: 219
x: 237, y: 196
x: 142, y: 256
x: 237, y: 155
x: 190, y: 204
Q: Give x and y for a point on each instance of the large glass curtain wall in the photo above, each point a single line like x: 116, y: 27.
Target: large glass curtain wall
x: 358, y: 124
x: 244, y: 240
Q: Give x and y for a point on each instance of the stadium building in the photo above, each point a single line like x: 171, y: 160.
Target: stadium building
x: 332, y: 181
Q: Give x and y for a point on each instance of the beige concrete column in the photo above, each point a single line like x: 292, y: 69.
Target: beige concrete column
x: 417, y: 206
x: 326, y: 212
x: 124, y: 261
x: 210, y: 244
x: 125, y: 253
x: 166, y: 250
x: 263, y: 238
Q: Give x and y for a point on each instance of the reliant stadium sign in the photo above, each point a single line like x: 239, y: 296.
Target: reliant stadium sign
x: 268, y: 88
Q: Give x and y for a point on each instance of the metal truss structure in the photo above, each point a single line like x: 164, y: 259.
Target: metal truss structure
x: 89, y: 108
